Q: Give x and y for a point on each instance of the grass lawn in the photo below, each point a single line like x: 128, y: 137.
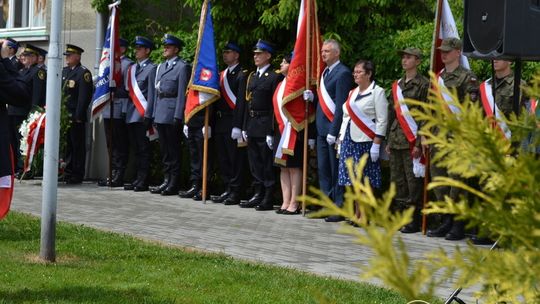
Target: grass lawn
x: 100, y: 267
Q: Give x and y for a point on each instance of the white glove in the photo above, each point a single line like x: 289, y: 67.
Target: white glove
x: 209, y: 131
x: 419, y: 169
x: 374, y: 152
x: 330, y: 139
x: 244, y: 135
x: 311, y: 143
x: 270, y: 141
x: 308, y: 95
x: 236, y: 133
x: 185, y: 131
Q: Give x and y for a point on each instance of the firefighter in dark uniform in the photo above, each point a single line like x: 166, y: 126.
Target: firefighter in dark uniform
x: 41, y: 58
x: 13, y: 46
x: 172, y: 78
x: 13, y: 91
x: 145, y: 75
x: 258, y: 125
x: 36, y: 78
x: 120, y: 142
x: 78, y: 89
x: 228, y: 121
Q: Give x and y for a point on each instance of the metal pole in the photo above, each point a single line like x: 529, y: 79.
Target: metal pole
x: 517, y: 84
x: 52, y: 134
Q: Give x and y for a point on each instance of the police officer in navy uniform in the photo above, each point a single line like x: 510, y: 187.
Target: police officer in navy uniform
x: 228, y: 127
x: 35, y: 77
x: 78, y: 89
x: 172, y: 78
x: 145, y: 75
x: 120, y: 143
x: 13, y: 46
x: 13, y: 91
x: 259, y: 127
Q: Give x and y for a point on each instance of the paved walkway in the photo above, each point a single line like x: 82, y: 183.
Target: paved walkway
x: 292, y: 241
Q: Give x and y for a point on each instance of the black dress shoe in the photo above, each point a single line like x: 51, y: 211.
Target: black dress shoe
x: 248, y: 204
x: 117, y: 183
x: 280, y: 211
x: 257, y: 197
x: 334, y: 219
x: 130, y: 186
x: 170, y: 190
x: 103, y: 182
x: 443, y: 229
x: 189, y: 193
x: 233, y: 199
x: 140, y: 188
x: 198, y: 196
x: 160, y: 188
x: 452, y: 236
x: 264, y: 207
x: 410, y: 228
x: 221, y: 198
x: 481, y: 240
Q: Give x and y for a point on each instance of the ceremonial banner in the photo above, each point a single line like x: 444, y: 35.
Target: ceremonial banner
x: 445, y: 27
x: 307, y: 58
x: 203, y: 88
x: 490, y: 107
x: 109, y: 73
x: 6, y: 189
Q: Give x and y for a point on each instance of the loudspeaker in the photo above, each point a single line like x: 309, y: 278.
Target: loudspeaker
x: 502, y: 29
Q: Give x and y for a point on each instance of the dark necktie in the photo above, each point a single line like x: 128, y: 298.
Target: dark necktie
x: 138, y: 68
x: 326, y: 71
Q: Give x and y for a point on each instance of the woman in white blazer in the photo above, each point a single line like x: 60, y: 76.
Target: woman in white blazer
x: 365, y: 118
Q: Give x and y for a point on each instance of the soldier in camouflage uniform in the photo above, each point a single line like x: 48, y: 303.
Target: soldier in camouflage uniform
x: 456, y: 77
x: 504, y: 86
x: 401, y: 151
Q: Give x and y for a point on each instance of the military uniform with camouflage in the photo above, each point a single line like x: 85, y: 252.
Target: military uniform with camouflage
x: 409, y: 187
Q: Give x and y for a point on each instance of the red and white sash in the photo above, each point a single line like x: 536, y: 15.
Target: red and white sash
x: 288, y: 133
x: 534, y: 104
x: 226, y: 91
x: 443, y: 92
x: 357, y: 115
x: 36, y: 137
x: 328, y: 105
x: 488, y: 102
x: 135, y: 92
x: 406, y: 121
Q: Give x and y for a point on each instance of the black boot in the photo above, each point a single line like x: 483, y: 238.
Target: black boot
x: 107, y: 182
x: 415, y: 225
x: 457, y: 232
x: 444, y: 228
x: 160, y: 188
x: 141, y: 184
x: 267, y: 202
x: 191, y: 192
x: 172, y: 188
x: 222, y: 197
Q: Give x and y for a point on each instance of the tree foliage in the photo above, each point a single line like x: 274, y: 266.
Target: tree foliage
x: 505, y: 206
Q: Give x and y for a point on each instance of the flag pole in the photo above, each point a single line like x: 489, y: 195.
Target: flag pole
x: 432, y: 67
x: 205, y: 154
x: 306, y: 107
x: 111, y: 113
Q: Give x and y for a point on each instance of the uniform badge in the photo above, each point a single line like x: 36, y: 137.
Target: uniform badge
x: 71, y: 84
x: 41, y: 74
x: 265, y: 74
x: 87, y: 77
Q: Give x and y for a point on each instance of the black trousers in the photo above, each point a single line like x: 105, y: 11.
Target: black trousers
x: 15, y: 137
x: 261, y: 162
x: 170, y: 139
x: 120, y: 142
x: 195, y: 142
x: 137, y: 135
x: 76, y: 151
x: 231, y: 160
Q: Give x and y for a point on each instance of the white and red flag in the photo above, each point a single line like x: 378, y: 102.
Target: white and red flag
x: 445, y: 27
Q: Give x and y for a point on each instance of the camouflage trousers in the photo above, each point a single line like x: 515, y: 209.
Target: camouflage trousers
x: 435, y: 170
x: 409, y: 188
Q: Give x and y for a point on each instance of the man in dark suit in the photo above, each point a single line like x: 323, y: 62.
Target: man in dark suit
x: 231, y: 152
x: 120, y: 143
x: 78, y: 88
x: 259, y: 126
x: 172, y: 78
x: 142, y: 91
x: 14, y: 91
x: 336, y: 82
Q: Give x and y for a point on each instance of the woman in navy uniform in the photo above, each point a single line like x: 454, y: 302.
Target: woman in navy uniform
x: 172, y: 78
x: 78, y: 88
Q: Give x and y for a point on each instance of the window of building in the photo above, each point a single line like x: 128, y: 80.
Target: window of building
x: 22, y: 14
